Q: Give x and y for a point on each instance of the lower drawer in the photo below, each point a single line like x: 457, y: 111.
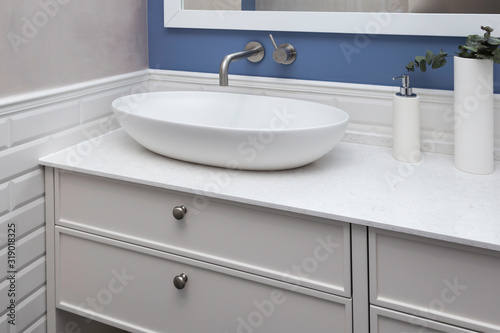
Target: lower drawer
x: 387, y: 321
x: 131, y: 287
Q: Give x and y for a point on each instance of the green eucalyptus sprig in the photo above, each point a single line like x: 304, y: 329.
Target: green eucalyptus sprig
x: 478, y: 47
x: 431, y: 59
x: 475, y: 47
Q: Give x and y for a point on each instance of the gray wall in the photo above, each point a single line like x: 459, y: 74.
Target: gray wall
x: 52, y: 43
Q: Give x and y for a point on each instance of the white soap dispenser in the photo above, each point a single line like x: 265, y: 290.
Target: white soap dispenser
x: 406, y: 124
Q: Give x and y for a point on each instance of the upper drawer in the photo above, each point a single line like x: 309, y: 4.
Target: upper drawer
x: 438, y: 280
x: 294, y: 248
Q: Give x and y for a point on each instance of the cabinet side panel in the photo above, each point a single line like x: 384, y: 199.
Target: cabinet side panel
x: 49, y: 251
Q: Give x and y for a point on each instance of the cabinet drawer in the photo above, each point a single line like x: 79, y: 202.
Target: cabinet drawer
x: 434, y: 279
x: 387, y: 321
x: 308, y: 251
x: 131, y: 287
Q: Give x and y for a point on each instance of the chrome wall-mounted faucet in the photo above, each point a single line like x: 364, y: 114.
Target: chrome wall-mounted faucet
x: 285, y: 53
x: 254, y: 52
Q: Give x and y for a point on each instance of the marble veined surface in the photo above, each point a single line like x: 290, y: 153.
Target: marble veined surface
x: 353, y: 183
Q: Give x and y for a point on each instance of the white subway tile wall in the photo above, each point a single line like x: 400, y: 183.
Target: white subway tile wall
x: 31, y: 278
x: 26, y: 134
x: 34, y: 124
x: 32, y: 308
x: 40, y: 326
x: 4, y: 202
x: 26, y: 188
x: 4, y: 134
x: 29, y: 218
x: 98, y: 105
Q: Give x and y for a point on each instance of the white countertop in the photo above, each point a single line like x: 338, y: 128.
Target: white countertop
x: 354, y: 183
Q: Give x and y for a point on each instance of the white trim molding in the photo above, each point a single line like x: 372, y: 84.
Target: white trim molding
x: 388, y: 23
x: 369, y: 106
x: 21, y: 102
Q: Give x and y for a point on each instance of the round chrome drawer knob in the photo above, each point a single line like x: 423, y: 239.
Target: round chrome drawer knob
x: 180, y: 281
x: 179, y: 212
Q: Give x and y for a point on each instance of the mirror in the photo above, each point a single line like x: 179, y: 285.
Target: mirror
x: 365, y: 6
x: 382, y: 22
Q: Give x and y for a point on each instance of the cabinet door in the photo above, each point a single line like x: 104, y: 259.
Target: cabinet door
x: 131, y: 287
x: 293, y: 248
x: 434, y: 279
x: 387, y: 321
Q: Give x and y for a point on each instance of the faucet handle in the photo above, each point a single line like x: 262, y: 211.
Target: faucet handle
x: 284, y: 54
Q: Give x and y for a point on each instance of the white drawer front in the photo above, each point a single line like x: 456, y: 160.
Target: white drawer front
x: 387, y: 321
x: 294, y: 248
x: 438, y: 280
x: 131, y: 287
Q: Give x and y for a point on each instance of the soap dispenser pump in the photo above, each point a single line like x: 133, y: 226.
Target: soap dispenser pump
x: 406, y: 123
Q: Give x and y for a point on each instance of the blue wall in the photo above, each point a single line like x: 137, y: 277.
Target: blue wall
x: 375, y: 59
x: 248, y: 5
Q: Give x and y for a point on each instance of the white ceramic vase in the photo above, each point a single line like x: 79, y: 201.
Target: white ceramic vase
x: 473, y: 113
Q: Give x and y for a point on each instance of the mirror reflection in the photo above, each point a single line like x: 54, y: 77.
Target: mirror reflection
x: 401, y: 6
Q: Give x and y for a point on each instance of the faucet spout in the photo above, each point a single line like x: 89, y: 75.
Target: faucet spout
x: 254, y: 52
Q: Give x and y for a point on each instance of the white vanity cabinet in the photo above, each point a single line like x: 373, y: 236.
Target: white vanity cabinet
x: 434, y: 280
x: 238, y: 268
x: 329, y: 238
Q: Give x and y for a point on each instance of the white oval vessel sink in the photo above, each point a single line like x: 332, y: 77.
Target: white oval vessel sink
x: 234, y: 131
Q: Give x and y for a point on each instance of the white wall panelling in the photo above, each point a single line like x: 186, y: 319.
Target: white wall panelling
x: 31, y: 278
x: 369, y: 106
x: 31, y: 126
x: 98, y: 105
x: 40, y: 326
x: 26, y: 188
x: 28, y: 218
x: 4, y: 198
x: 4, y: 134
x: 28, y: 249
x: 28, y: 311
x: 40, y: 122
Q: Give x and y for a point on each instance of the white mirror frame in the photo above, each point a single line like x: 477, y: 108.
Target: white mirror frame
x: 384, y: 23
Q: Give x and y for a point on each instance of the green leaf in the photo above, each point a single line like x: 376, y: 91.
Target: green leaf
x: 496, y: 56
x: 429, y: 55
x: 473, y: 39
x: 494, y: 41
x: 423, y: 65
x: 472, y: 48
x: 488, y: 31
x: 441, y: 55
x: 411, y: 66
x: 438, y: 62
x: 430, y: 59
